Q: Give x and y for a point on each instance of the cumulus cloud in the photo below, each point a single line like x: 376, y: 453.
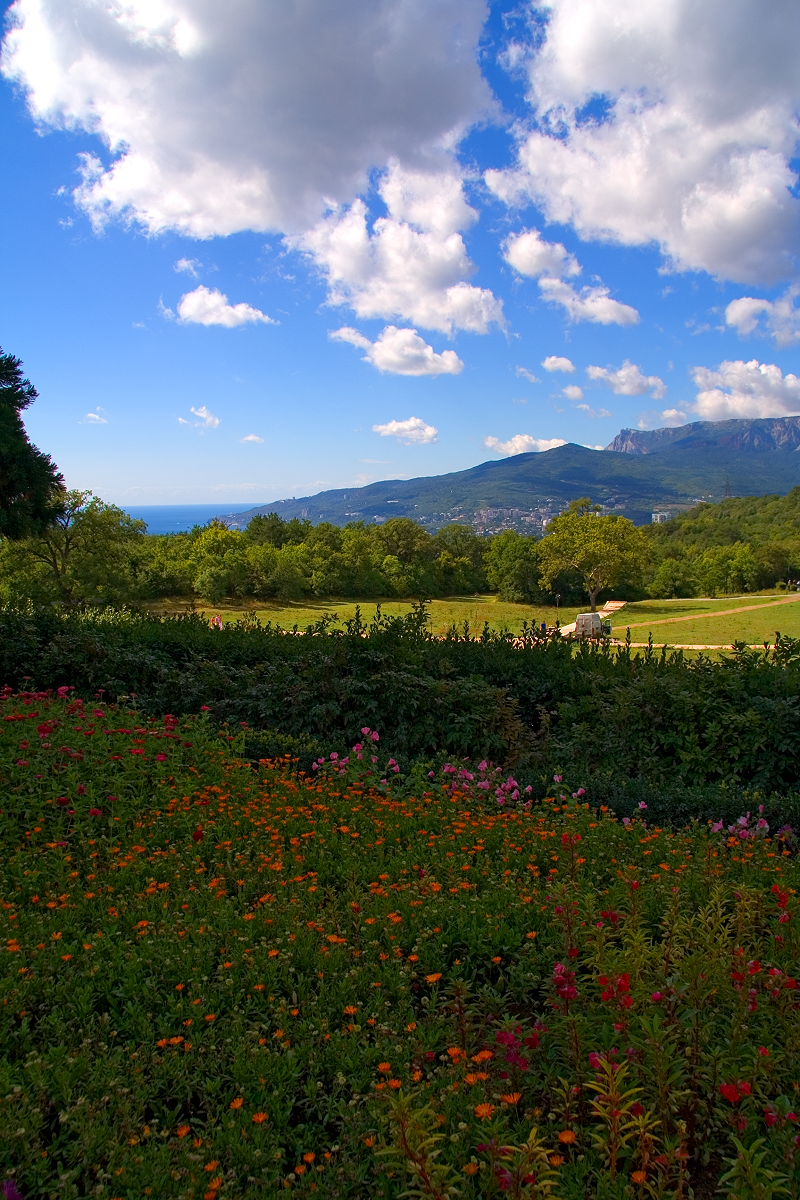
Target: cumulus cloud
x: 745, y: 390
x: 207, y: 306
x: 674, y: 416
x: 555, y: 362
x: 590, y: 304
x: 252, y: 437
x: 667, y: 122
x: 573, y: 392
x: 522, y: 443
x: 779, y: 318
x: 629, y: 380
x: 205, y: 418
x: 412, y: 431
x: 252, y: 116
x: 393, y: 268
x: 401, y: 352
x: 529, y: 254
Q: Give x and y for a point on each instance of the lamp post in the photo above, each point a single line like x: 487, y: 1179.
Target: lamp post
x: 558, y: 601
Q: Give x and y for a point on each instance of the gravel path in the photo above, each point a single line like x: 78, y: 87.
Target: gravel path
x: 727, y: 612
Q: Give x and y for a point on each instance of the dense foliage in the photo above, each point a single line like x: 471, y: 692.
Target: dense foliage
x: 692, y: 738
x: 30, y: 485
x: 735, y: 546
x: 222, y: 982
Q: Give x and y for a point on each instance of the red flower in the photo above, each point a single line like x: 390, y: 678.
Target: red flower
x: 198, y: 835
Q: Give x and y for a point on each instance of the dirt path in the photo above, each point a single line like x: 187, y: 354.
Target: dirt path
x: 727, y: 612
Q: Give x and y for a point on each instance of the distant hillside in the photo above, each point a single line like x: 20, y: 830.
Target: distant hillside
x: 664, y: 469
x: 766, y: 433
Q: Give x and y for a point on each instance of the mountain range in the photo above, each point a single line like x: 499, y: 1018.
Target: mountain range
x: 639, y: 473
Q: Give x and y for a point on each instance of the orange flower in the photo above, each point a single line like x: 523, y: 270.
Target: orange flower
x: 639, y: 1176
x: 260, y: 1118
x: 475, y: 1077
x: 182, y: 1130
x: 238, y: 1102
x: 471, y: 1168
x: 484, y: 1112
x: 556, y: 1160
x: 385, y: 1068
x: 568, y: 1136
x: 434, y: 978
x: 511, y: 1097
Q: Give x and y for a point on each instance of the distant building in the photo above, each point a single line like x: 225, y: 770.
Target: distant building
x: 658, y: 518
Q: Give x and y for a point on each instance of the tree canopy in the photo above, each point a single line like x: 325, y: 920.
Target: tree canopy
x: 602, y: 551
x: 31, y: 488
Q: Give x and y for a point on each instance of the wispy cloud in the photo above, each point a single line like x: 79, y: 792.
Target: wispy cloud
x: 205, y: 418
x: 252, y: 437
x: 95, y: 417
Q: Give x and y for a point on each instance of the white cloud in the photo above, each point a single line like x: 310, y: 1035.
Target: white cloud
x: 573, y: 392
x: 690, y: 138
x: 250, y: 116
x: 188, y: 266
x: 412, y: 431
x: 524, y: 373
x: 394, y: 269
x: 596, y: 413
x: 555, y: 362
x: 781, y: 317
x: 745, y: 390
x: 96, y: 417
x: 401, y: 352
x: 205, y: 418
x: 674, y: 416
x: 529, y: 254
x: 522, y: 443
x: 629, y: 380
x: 592, y: 304
x: 252, y: 437
x: 207, y: 306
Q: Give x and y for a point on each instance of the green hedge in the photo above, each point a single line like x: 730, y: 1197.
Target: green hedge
x: 696, y: 735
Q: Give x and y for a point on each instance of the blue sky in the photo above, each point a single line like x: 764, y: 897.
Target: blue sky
x: 258, y: 250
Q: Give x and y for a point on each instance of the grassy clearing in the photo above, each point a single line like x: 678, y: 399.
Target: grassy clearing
x: 222, y: 983
x: 644, y: 617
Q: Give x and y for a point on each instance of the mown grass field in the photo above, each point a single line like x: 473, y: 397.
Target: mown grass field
x: 706, y: 626
x: 227, y: 984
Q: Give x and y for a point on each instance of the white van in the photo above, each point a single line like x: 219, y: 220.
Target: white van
x: 591, y: 625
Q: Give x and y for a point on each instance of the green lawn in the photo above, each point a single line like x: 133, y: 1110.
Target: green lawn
x: 644, y: 617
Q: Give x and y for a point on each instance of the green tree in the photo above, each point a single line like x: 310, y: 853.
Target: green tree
x: 512, y: 567
x: 92, y: 553
x: 31, y: 488
x: 604, y: 551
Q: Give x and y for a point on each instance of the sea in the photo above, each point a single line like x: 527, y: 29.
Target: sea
x: 179, y: 518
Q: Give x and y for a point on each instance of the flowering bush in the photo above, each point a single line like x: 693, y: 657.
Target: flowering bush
x: 221, y: 982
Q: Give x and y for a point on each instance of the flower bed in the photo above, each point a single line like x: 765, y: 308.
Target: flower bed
x: 226, y: 982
